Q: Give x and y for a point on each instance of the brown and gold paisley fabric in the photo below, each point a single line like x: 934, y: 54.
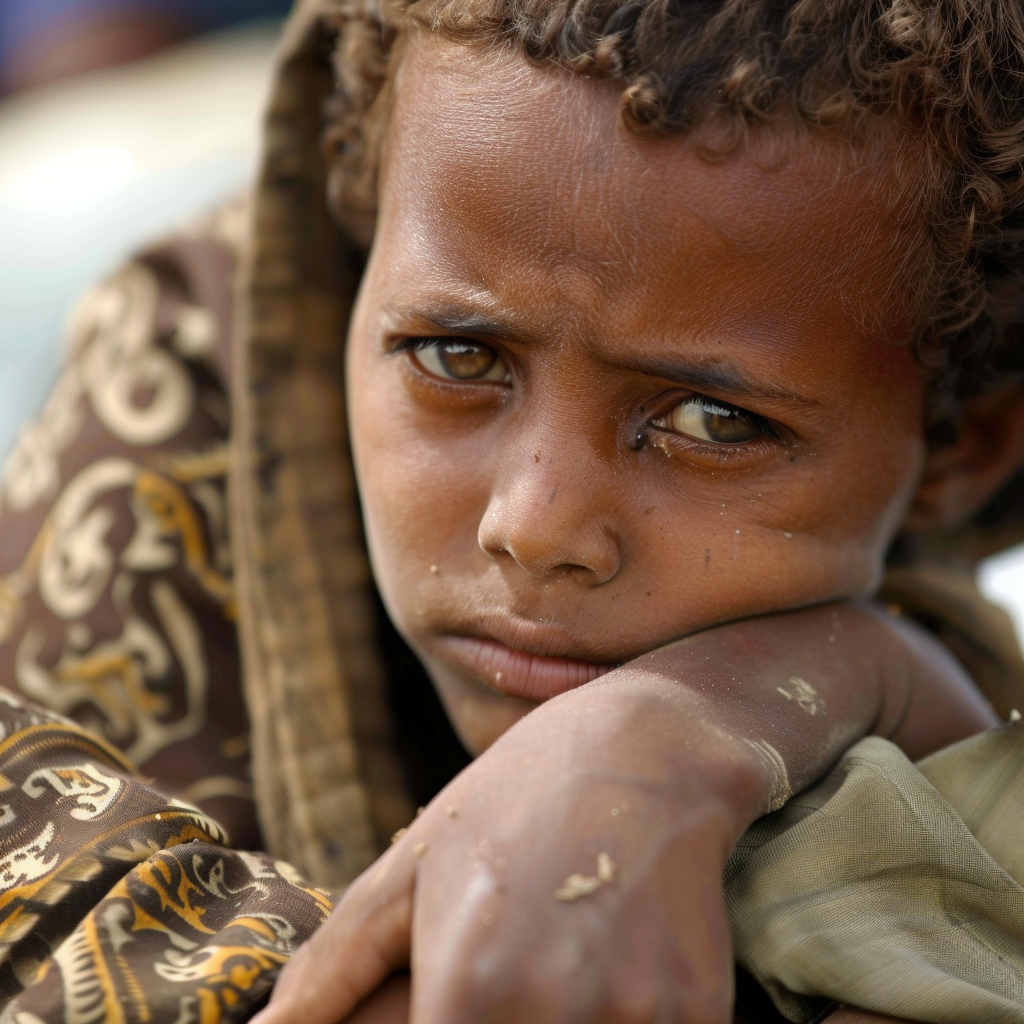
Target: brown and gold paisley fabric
x: 117, y: 605
x: 118, y: 904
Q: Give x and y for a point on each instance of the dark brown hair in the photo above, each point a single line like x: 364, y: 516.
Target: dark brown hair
x: 948, y: 73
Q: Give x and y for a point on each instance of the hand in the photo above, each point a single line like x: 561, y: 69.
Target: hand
x: 580, y: 787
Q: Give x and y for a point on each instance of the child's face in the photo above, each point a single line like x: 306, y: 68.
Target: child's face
x: 606, y: 393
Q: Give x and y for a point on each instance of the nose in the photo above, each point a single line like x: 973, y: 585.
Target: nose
x: 546, y: 513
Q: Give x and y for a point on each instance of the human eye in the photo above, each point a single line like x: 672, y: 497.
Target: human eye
x: 704, y: 419
x: 460, y: 360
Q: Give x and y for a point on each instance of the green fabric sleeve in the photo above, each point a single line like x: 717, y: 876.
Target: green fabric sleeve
x: 891, y: 887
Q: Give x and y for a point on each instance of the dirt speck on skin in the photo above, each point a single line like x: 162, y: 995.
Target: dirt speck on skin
x: 452, y: 812
x: 1014, y: 715
x: 434, y: 570
x: 606, y: 869
x: 398, y: 835
x: 804, y: 694
x: 787, y: 535
x: 577, y: 886
x: 419, y: 849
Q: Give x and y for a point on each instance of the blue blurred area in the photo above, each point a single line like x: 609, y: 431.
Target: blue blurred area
x: 21, y: 20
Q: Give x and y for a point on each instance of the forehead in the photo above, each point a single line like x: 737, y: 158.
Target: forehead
x: 496, y: 171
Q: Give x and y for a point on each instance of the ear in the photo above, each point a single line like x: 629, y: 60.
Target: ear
x: 959, y: 479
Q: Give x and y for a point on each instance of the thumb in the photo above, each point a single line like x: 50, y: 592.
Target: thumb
x: 367, y: 938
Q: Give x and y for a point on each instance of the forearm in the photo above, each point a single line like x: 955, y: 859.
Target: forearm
x: 756, y: 710
x: 608, y: 813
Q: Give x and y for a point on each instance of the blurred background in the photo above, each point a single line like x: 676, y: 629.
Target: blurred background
x: 118, y: 120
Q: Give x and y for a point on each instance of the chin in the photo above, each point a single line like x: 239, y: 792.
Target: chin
x: 479, y: 716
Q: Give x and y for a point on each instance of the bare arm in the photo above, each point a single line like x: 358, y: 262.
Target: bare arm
x: 659, y: 766
x: 775, y: 701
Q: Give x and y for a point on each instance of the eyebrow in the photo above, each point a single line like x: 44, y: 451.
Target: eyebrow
x: 720, y: 378
x: 455, y: 320
x: 717, y: 377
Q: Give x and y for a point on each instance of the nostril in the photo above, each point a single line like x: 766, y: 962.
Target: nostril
x: 556, y: 544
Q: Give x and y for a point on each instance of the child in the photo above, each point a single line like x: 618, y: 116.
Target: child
x: 592, y: 414
x: 530, y: 408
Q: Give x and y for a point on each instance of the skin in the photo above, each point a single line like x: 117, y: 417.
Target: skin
x: 612, y: 403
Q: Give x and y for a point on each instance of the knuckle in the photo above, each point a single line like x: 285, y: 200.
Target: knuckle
x: 366, y: 886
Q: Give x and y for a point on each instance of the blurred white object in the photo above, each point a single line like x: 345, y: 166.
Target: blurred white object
x: 1001, y: 579
x: 92, y: 168
x: 72, y: 182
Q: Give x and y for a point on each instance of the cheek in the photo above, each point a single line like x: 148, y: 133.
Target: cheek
x: 855, y: 489
x: 847, y: 512
x: 418, y: 499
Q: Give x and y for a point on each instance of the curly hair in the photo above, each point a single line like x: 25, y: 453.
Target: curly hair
x: 948, y: 73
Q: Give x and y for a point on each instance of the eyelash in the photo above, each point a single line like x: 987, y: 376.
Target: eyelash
x: 721, y: 454
x: 670, y: 441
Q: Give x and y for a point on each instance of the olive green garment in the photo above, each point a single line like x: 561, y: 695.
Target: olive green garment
x: 892, y: 887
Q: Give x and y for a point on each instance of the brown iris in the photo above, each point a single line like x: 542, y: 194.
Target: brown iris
x: 705, y: 420
x: 458, y: 359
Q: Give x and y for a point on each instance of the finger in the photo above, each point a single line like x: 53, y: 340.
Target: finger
x: 366, y: 939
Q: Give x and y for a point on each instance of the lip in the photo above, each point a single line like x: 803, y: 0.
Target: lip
x: 518, y: 673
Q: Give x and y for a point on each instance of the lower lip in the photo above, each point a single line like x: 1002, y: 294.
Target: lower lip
x: 519, y: 674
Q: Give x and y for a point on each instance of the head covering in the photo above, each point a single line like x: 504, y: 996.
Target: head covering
x: 328, y: 784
